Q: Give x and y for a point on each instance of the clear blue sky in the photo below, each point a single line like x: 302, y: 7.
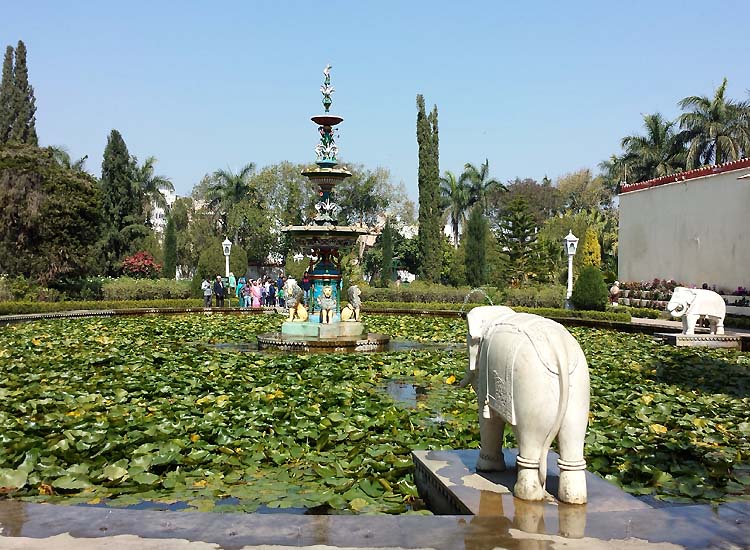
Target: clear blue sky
x: 544, y: 88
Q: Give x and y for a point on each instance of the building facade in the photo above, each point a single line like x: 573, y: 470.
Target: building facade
x: 692, y: 227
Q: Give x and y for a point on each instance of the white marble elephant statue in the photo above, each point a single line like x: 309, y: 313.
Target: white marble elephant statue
x: 530, y: 372
x: 694, y: 303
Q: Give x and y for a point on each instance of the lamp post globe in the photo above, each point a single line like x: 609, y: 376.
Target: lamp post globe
x: 227, y: 248
x: 571, y: 245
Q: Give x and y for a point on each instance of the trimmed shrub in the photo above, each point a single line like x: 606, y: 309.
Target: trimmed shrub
x: 126, y: 288
x: 536, y: 296
x: 590, y: 291
x: 141, y: 265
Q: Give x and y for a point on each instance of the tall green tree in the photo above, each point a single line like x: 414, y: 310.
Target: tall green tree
x: 476, y: 247
x: 23, y: 103
x: 386, y: 243
x: 170, y: 249
x: 428, y: 178
x: 658, y: 153
x: 581, y: 191
x: 49, y: 220
x: 455, y: 200
x: 518, y: 236
x: 7, y: 92
x: 716, y: 128
x: 543, y: 200
x: 122, y: 205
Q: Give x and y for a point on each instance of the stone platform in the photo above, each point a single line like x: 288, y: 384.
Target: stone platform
x: 449, y: 483
x: 727, y: 341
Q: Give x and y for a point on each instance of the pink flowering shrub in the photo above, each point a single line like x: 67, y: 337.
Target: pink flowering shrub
x: 141, y: 265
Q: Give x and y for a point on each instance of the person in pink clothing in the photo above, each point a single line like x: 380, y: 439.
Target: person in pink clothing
x: 256, y: 293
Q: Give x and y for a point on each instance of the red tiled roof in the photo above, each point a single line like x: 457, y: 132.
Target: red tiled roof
x: 690, y: 174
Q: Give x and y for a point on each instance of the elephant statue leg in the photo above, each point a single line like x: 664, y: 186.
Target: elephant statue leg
x: 491, y: 434
x: 572, y: 487
x: 528, y: 486
x: 717, y: 325
x: 688, y: 323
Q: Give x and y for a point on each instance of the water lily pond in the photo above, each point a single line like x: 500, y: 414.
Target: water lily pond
x: 140, y: 411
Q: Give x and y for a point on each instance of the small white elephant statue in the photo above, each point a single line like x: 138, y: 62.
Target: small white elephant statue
x: 693, y: 303
x: 530, y: 372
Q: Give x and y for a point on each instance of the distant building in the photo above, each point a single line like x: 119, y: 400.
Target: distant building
x: 691, y: 227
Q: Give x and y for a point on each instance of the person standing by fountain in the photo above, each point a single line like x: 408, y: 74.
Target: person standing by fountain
x: 255, y: 290
x: 206, y: 288
x: 219, y: 291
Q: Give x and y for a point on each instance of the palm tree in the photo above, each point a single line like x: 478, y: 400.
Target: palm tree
x: 62, y: 157
x: 716, y: 128
x: 227, y: 189
x: 455, y: 199
x: 152, y: 187
x: 480, y: 183
x: 659, y: 153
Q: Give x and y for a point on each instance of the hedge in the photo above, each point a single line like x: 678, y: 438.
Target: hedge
x: 556, y: 313
x: 16, y: 308
x: 426, y: 293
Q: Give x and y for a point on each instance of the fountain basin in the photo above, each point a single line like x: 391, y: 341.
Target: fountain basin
x: 285, y: 342
x: 311, y: 329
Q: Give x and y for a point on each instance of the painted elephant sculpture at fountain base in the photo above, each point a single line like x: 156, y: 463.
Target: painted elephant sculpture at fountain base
x: 531, y: 373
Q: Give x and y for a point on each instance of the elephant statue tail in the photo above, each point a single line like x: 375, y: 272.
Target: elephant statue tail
x: 561, y: 366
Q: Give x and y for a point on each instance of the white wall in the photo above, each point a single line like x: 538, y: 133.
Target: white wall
x: 694, y: 232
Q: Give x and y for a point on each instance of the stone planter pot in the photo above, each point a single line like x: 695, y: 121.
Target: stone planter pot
x: 624, y: 301
x: 625, y: 293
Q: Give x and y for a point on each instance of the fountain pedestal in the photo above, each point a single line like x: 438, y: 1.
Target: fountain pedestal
x: 319, y: 330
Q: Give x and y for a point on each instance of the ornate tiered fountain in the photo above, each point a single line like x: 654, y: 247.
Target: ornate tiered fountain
x: 324, y: 241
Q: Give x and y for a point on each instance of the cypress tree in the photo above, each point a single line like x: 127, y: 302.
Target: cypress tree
x: 476, y: 247
x: 428, y: 177
x: 23, y: 103
x: 7, y: 89
x: 386, y: 244
x: 121, y: 204
x: 170, y: 249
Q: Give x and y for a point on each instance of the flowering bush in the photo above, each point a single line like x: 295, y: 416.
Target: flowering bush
x: 141, y: 265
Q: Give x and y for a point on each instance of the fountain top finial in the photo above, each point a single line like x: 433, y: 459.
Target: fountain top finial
x: 326, y: 89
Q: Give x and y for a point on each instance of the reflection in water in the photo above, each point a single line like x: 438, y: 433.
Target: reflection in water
x: 12, y: 518
x: 492, y: 525
x: 405, y: 393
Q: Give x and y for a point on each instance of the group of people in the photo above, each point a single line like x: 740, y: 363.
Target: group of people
x: 250, y: 292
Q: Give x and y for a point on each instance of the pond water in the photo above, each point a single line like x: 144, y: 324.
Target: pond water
x: 393, y: 345
x: 405, y: 393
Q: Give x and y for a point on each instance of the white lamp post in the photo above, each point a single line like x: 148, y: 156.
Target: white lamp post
x: 227, y: 246
x: 571, y: 244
